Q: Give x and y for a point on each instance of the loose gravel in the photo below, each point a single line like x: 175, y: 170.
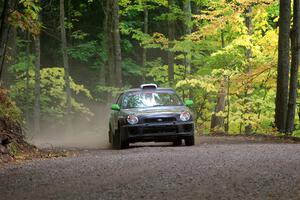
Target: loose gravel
x: 231, y: 169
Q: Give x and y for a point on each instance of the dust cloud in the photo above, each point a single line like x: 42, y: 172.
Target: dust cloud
x: 85, y: 134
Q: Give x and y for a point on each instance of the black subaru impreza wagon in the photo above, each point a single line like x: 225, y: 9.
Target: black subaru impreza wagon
x: 149, y: 114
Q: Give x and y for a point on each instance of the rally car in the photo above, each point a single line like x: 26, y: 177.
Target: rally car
x: 150, y: 114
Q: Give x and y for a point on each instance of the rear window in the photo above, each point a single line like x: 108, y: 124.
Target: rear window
x: 150, y: 99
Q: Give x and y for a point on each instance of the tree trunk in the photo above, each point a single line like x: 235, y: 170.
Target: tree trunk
x: 37, y: 87
x: 69, y: 19
x: 295, y: 45
x: 4, y: 32
x: 117, y: 44
x: 171, y: 35
x: 7, y: 77
x: 108, y: 44
x: 218, y: 121
x: 227, y: 85
x: 222, y: 38
x: 283, y: 65
x: 65, y: 63
x: 228, y: 105
x: 105, y: 71
x: 187, y: 30
x: 188, y: 16
x: 27, y: 105
x: 102, y: 76
x: 144, y: 55
x: 102, y: 71
x: 108, y: 28
x: 249, y: 25
x: 113, y: 43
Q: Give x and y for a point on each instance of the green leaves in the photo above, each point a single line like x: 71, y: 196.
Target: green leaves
x: 28, y: 18
x: 53, y: 97
x: 8, y: 108
x: 91, y: 52
x: 130, y: 68
x: 85, y: 51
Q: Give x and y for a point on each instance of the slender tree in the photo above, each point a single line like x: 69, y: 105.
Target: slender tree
x: 108, y: 44
x: 65, y: 62
x: 226, y: 126
x: 187, y: 29
x: 218, y: 121
x: 37, y: 87
x: 283, y: 65
x: 249, y: 25
x: 295, y: 45
x: 117, y: 43
x: 4, y: 32
x: 171, y: 35
x: 103, y: 69
x: 12, y: 53
x: 187, y: 16
x: 113, y: 43
x: 27, y: 107
x: 144, y: 54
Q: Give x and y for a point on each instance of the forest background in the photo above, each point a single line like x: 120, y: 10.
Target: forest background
x: 61, y: 60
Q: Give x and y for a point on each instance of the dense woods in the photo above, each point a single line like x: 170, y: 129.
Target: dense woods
x: 237, y: 59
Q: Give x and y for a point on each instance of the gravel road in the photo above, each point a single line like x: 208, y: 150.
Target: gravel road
x: 216, y: 168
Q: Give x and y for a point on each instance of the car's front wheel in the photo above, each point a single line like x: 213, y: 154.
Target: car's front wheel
x: 109, y: 135
x: 120, y: 140
x: 189, y: 141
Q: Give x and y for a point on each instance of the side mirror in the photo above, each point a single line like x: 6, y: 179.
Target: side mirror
x: 115, y: 107
x: 189, y: 103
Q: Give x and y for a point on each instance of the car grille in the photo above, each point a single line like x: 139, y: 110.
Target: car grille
x: 159, y: 120
x: 165, y: 129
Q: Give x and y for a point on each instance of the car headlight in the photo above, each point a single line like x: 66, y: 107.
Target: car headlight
x: 185, y: 116
x: 132, y: 119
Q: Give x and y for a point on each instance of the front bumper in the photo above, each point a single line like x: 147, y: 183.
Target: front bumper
x: 158, y: 132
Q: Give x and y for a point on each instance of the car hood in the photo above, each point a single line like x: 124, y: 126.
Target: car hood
x: 156, y: 110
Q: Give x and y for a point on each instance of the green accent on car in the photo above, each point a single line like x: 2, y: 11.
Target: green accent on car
x: 115, y: 107
x: 189, y: 102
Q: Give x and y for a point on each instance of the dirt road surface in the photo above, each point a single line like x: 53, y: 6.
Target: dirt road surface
x: 215, y: 168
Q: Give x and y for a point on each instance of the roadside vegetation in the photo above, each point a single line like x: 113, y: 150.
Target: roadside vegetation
x: 11, y: 132
x: 58, y: 57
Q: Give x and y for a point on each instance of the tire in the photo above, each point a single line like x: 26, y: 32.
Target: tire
x: 120, y: 140
x: 109, y: 135
x: 177, y: 142
x: 115, y: 140
x: 189, y: 141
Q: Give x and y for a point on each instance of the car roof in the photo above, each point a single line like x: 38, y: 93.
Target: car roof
x: 152, y: 89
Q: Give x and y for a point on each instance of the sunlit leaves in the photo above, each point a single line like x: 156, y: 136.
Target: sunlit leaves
x: 133, y: 6
x: 53, y: 97
x: 8, y: 109
x: 159, y: 72
x: 202, y: 82
x: 28, y: 18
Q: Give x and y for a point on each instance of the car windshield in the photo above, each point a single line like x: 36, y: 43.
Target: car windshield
x: 150, y: 99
